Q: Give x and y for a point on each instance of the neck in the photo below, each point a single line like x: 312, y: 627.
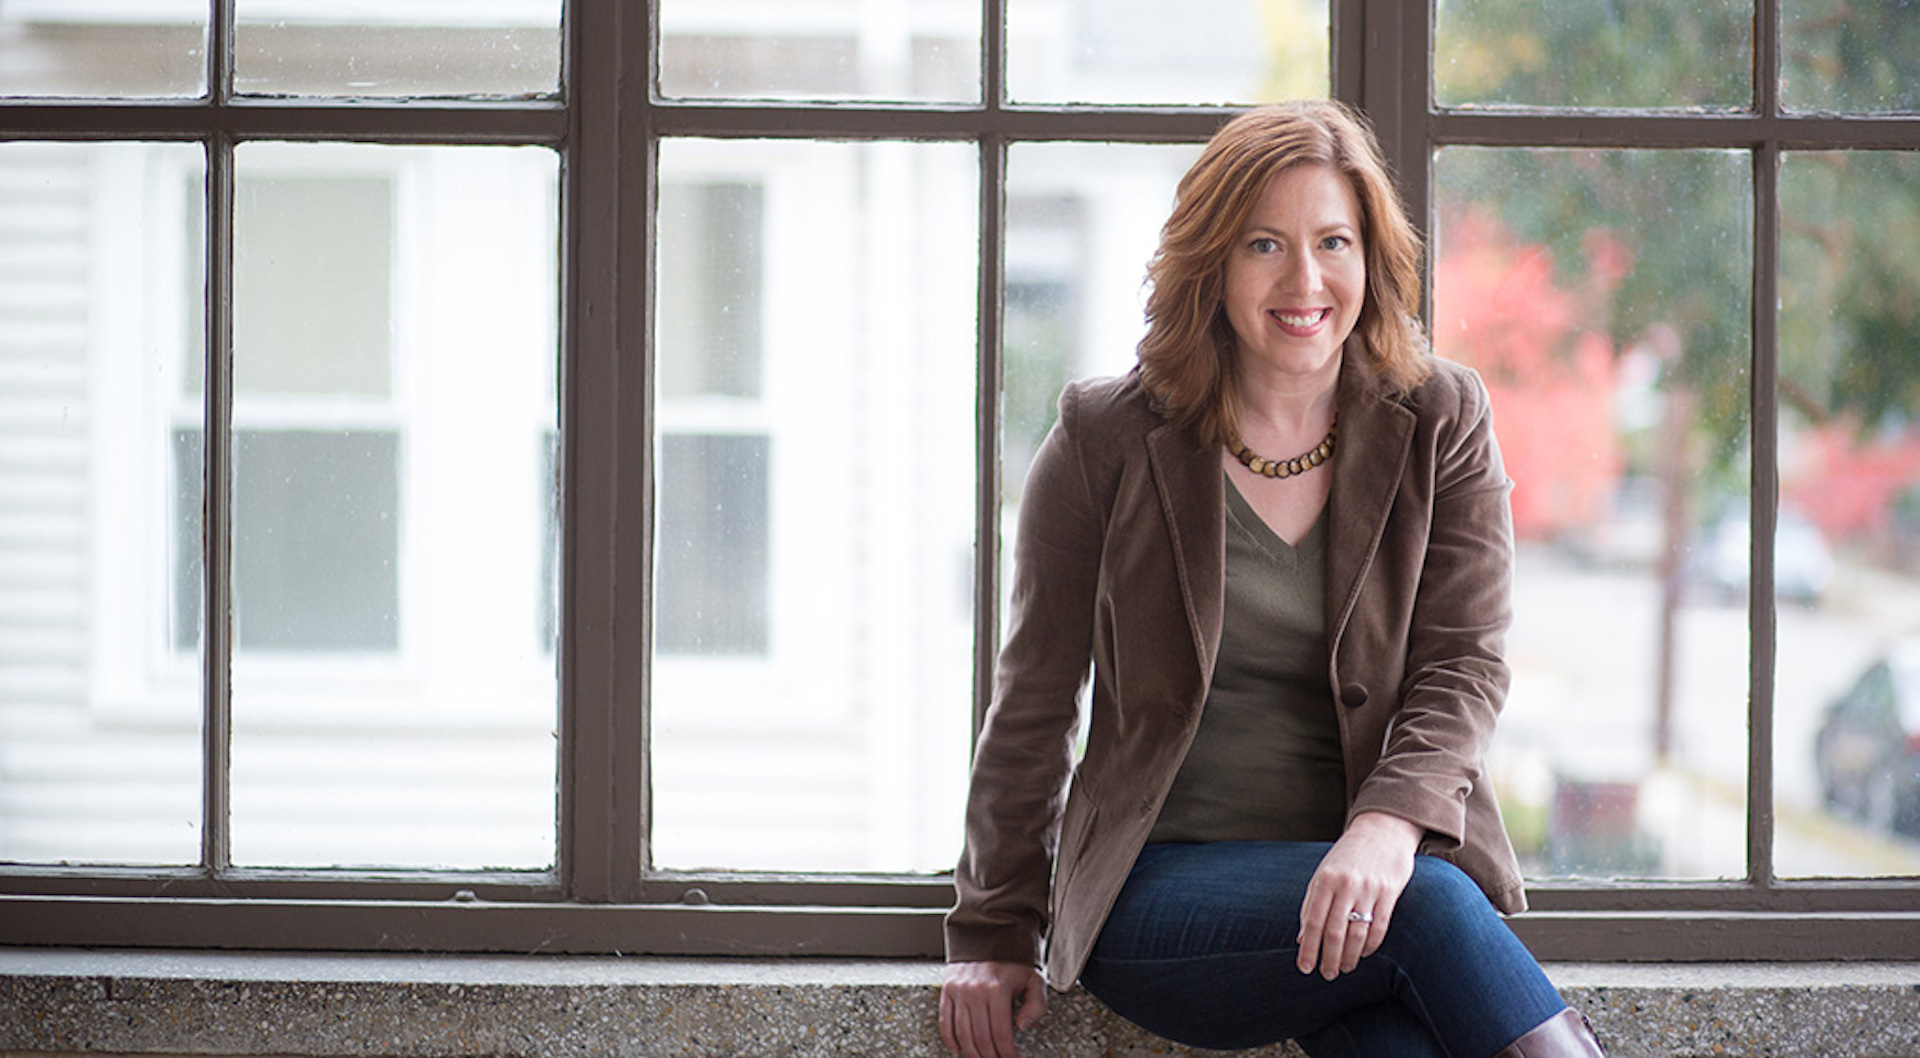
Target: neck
x: 1290, y: 402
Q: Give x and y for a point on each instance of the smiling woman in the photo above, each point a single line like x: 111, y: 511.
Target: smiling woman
x: 1295, y: 285
x: 1251, y: 826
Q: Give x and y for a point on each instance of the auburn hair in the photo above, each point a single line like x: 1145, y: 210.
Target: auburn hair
x: 1187, y: 356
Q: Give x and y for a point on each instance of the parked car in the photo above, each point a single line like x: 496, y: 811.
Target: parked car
x: 1802, y: 563
x: 1867, y: 749
x: 1629, y: 535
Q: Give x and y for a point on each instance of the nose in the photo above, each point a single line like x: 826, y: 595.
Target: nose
x: 1301, y: 274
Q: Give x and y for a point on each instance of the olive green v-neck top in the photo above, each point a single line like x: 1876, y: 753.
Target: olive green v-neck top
x: 1265, y: 763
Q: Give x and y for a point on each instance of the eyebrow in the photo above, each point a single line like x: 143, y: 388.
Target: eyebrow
x: 1323, y: 229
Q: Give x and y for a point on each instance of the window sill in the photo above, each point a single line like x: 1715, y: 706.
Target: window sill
x: 64, y: 1001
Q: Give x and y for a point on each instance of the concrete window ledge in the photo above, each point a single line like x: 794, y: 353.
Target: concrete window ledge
x: 403, y: 1006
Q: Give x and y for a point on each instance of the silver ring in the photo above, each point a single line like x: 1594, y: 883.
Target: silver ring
x: 1360, y: 916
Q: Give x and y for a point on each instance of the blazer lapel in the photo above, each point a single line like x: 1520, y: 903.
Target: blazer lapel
x: 1376, y: 435
x: 1193, y: 499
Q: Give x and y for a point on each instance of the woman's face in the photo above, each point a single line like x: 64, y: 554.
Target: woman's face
x: 1297, y: 276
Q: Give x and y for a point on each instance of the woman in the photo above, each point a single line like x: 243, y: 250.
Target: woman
x: 1280, y: 828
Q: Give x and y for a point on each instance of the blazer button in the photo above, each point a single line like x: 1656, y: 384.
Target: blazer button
x: 1353, y: 696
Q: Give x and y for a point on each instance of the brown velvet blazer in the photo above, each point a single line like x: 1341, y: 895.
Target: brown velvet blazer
x: 1120, y: 559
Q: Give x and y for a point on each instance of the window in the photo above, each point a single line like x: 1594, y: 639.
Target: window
x: 711, y: 552
x: 1664, y: 267
x: 503, y: 504
x: 317, y: 545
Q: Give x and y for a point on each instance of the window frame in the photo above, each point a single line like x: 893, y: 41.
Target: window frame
x: 600, y: 898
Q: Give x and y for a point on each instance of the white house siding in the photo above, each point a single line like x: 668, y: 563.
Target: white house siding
x: 46, y: 419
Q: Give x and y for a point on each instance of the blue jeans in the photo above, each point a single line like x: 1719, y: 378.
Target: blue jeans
x: 1200, y: 948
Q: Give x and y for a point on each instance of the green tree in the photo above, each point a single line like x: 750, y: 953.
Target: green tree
x: 1850, y: 280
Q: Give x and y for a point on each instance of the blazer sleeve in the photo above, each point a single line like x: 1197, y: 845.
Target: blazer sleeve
x: 1456, y: 675
x: 1025, y: 750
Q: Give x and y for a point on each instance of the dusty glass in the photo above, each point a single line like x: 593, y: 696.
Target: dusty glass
x: 1141, y: 51
x: 394, y: 343
x: 874, y: 50
x: 1604, y: 297
x: 1847, y: 552
x: 99, y: 712
x: 1860, y: 56
x: 1676, y: 54
x: 814, y: 537
x: 403, y: 48
x: 99, y: 48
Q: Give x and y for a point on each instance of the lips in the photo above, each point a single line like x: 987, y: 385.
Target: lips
x: 1300, y: 324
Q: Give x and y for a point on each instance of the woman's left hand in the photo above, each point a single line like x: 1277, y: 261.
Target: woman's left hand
x: 1362, y: 876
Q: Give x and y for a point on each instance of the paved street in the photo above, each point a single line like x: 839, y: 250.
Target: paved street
x: 1585, y: 649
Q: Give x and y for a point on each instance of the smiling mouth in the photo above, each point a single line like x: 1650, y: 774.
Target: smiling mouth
x: 1300, y: 319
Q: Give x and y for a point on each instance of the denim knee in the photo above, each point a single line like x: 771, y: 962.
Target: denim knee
x: 1440, y: 895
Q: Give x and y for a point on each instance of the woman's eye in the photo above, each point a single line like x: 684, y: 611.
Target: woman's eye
x: 1263, y: 246
x: 1335, y: 242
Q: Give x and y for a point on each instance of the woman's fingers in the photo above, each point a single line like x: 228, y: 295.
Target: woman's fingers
x: 1377, y: 928
x: 1359, y: 926
x: 1033, y: 1002
x: 977, y: 1016
x: 1337, y: 921
x: 1351, y: 897
x: 1313, y: 923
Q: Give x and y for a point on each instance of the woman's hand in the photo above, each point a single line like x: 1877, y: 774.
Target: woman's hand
x: 1363, y: 873
x: 977, y: 1016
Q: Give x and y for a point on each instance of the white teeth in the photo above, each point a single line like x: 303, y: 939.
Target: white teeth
x: 1306, y: 320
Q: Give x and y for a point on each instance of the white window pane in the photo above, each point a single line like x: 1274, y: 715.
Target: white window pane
x: 1603, y: 296
x: 812, y: 673
x: 904, y: 50
x: 711, y: 298
x: 710, y: 594
x: 394, y: 688
x: 299, y: 236
x: 99, y: 717
x: 1847, y: 550
x: 129, y: 48
x: 397, y: 48
x: 312, y: 292
x: 1145, y: 51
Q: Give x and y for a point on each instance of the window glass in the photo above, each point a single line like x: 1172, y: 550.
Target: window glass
x: 906, y: 50
x: 1141, y: 51
x: 1851, y: 55
x: 394, y: 341
x: 99, y: 721
x: 1603, y: 296
x: 411, y: 48
x: 289, y: 340
x: 151, y: 48
x: 814, y: 533
x: 315, y: 554
x: 711, y: 301
x: 711, y: 586
x: 1847, y: 554
x: 1576, y: 53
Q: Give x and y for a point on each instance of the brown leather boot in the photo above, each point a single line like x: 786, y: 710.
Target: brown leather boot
x: 1564, y: 1035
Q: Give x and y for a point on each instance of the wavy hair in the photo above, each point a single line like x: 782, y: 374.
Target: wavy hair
x: 1187, y: 356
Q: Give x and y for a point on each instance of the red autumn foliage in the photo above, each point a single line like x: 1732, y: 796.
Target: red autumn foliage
x: 1550, y: 372
x: 1851, y: 486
